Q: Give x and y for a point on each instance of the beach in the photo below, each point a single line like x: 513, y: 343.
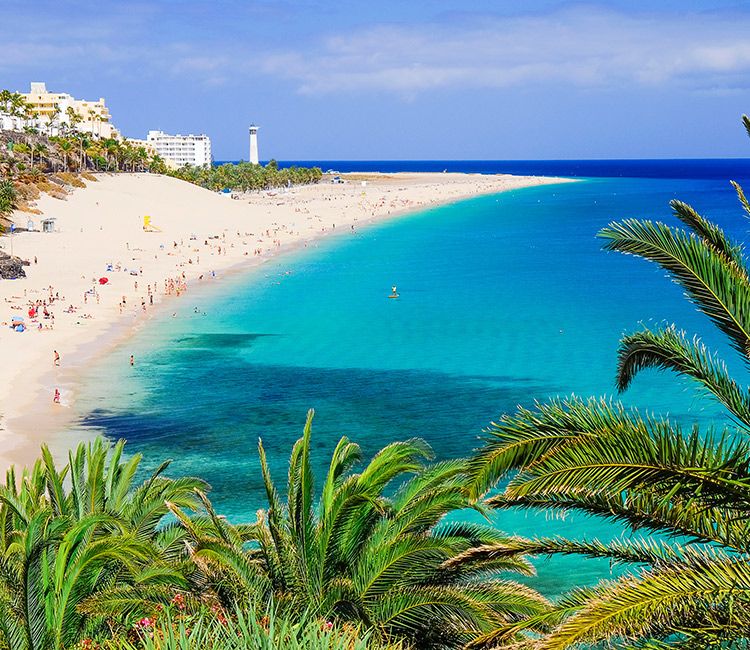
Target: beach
x: 100, y: 276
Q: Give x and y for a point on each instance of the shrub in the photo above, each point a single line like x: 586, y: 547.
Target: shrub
x: 8, y: 197
x: 245, y: 629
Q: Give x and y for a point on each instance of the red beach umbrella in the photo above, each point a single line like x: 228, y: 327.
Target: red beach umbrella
x: 103, y: 280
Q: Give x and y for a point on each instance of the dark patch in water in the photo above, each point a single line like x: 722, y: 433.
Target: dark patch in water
x: 218, y: 340
x: 209, y: 417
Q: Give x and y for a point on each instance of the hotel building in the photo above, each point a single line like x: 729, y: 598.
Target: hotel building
x: 182, y: 149
x: 53, y: 110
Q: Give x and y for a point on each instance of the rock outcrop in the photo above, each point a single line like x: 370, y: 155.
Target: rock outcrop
x: 11, y: 268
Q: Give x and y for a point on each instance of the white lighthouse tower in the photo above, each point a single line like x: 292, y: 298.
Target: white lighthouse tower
x: 253, y: 144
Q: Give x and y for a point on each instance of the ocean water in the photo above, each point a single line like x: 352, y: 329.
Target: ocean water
x: 504, y: 299
x: 694, y: 168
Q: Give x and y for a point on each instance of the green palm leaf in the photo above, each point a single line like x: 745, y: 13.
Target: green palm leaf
x: 719, y: 289
x: 658, y: 602
x: 668, y: 349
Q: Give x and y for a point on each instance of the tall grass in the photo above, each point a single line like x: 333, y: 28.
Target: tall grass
x: 245, y: 631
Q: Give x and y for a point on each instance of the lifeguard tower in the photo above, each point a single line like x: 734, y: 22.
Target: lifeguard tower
x: 148, y: 226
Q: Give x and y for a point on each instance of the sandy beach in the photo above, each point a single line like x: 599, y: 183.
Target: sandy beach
x: 198, y: 236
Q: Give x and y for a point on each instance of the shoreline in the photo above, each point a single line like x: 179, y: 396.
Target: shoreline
x: 28, y: 416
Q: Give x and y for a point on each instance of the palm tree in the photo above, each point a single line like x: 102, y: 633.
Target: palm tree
x: 21, y: 148
x: 111, y: 148
x: 8, y: 197
x: 690, y: 586
x: 65, y: 147
x: 74, y: 118
x: 141, y: 158
x: 374, y: 550
x: 54, y: 118
x: 85, y: 545
x: 6, y: 100
x: 40, y: 149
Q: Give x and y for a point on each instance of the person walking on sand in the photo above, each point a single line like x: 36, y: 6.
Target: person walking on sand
x: 56, y: 398
x: 57, y: 357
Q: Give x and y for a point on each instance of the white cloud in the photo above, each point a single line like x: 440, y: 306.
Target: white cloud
x: 584, y: 46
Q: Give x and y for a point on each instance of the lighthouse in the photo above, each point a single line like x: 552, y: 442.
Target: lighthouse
x: 253, y: 144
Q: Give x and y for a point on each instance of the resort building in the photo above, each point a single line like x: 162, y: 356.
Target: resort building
x: 10, y: 122
x: 150, y: 149
x: 182, y: 149
x: 55, y: 111
x: 148, y: 146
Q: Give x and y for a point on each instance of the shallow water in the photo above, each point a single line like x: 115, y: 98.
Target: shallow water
x: 504, y: 299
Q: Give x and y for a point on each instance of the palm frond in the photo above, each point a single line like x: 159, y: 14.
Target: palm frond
x: 618, y: 450
x: 668, y: 349
x: 713, y: 236
x: 657, y: 603
x: 741, y: 196
x: 718, y: 288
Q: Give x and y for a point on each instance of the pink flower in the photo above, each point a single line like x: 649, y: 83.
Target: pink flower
x: 219, y: 614
x: 145, y: 622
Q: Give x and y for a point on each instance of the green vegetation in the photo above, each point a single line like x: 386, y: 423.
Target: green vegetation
x: 174, y: 630
x: 245, y: 176
x: 79, y: 542
x: 8, y: 197
x: 13, y: 104
x: 88, y: 555
x: 368, y: 554
x: 689, y: 586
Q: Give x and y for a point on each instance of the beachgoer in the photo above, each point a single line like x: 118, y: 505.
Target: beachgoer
x: 57, y: 357
x: 56, y: 398
x: 132, y: 360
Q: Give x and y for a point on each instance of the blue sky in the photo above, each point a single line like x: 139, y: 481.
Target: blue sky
x: 401, y: 79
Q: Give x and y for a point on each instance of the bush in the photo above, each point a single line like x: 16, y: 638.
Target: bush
x: 27, y: 191
x: 8, y: 197
x: 71, y: 179
x: 244, y: 630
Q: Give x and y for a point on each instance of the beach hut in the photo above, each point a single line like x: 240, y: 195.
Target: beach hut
x: 48, y: 225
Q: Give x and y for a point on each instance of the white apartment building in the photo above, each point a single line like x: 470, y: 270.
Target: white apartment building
x: 182, y: 149
x: 54, y: 112
x: 10, y: 122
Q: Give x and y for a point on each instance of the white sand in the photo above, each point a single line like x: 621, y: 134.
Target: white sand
x: 103, y: 224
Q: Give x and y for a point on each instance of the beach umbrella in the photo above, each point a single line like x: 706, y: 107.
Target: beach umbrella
x: 103, y: 280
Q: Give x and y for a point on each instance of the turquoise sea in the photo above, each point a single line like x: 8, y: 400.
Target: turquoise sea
x: 504, y: 299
